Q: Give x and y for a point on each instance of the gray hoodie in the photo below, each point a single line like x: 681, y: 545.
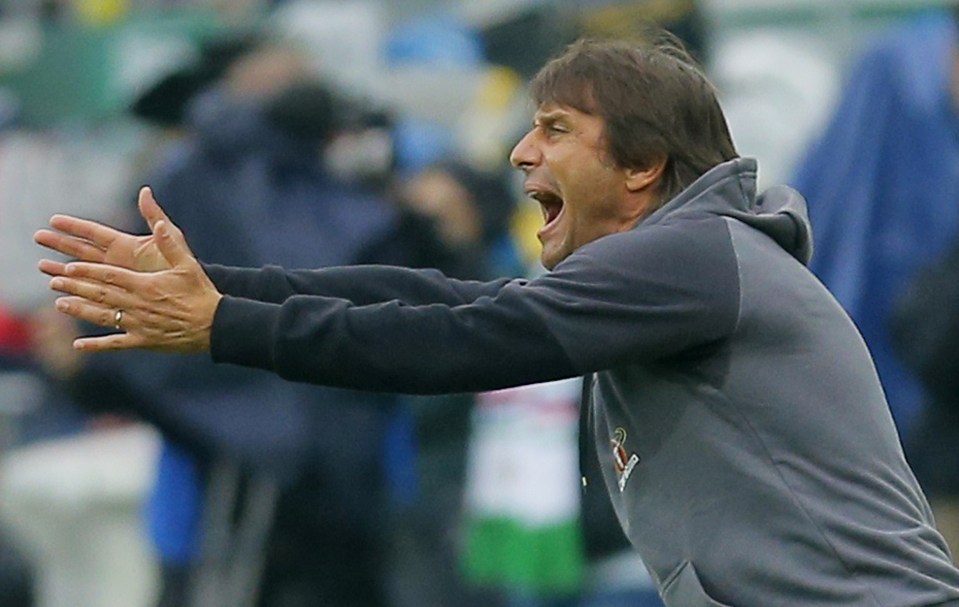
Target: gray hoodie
x: 743, y: 433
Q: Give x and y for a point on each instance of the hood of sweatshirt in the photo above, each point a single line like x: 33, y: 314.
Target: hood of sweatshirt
x: 729, y: 189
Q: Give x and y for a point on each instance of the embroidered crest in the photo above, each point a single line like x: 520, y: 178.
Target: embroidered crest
x: 622, y: 462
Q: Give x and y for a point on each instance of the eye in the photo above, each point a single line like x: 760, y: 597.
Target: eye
x: 556, y: 129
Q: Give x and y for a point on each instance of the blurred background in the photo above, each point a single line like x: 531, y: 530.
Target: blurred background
x: 310, y: 133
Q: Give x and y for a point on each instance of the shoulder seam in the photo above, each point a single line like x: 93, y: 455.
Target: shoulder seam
x: 739, y: 274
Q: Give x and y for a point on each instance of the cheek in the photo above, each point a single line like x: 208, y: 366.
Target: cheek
x: 588, y: 179
x: 592, y: 217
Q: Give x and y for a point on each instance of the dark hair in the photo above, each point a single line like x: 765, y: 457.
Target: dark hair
x: 654, y: 98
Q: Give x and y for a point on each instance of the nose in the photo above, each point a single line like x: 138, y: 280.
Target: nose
x: 525, y: 154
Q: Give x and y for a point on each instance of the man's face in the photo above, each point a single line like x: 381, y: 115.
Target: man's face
x: 569, y: 171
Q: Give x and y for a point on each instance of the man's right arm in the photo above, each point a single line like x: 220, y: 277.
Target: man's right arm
x: 361, y: 285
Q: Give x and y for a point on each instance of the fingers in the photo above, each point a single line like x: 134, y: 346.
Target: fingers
x: 52, y: 268
x: 91, y: 312
x: 95, y: 233
x: 101, y: 284
x: 170, y: 239
x: 149, y: 208
x: 88, y: 311
x: 106, y: 343
x: 134, y: 333
x: 99, y: 294
x: 172, y: 244
x: 103, y: 273
x: 69, y: 245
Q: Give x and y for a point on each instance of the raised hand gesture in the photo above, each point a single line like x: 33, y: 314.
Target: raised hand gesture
x: 149, y: 287
x: 86, y: 240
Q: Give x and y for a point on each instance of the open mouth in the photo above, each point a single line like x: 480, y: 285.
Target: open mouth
x: 551, y: 205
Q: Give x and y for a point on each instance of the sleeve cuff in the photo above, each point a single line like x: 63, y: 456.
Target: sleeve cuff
x: 243, y: 332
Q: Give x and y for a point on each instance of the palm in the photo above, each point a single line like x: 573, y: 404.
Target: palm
x: 138, y: 253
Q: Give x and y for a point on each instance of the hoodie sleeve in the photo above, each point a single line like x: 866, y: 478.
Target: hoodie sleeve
x: 627, y: 298
x: 360, y: 285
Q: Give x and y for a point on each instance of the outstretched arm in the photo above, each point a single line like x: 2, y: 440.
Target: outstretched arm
x: 621, y: 299
x: 361, y: 285
x: 122, y: 256
x: 629, y: 297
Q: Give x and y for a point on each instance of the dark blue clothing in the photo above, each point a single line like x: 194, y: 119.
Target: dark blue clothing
x: 245, y: 193
x: 882, y: 185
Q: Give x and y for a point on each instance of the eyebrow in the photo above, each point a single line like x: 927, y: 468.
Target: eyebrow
x: 550, y: 117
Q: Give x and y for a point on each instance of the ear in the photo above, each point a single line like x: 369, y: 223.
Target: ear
x: 646, y: 178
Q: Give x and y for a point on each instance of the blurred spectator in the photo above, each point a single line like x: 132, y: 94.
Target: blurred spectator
x: 326, y: 537
x: 469, y: 211
x: 882, y: 185
x: 16, y: 578
x: 525, y: 36
x: 261, y: 496
x: 523, y: 495
x: 459, y: 217
x: 925, y: 332
x: 631, y: 19
x: 41, y: 168
x: 777, y: 91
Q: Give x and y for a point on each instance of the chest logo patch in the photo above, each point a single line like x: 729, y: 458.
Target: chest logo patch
x: 623, y: 463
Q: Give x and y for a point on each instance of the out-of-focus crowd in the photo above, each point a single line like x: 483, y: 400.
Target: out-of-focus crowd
x: 317, y: 133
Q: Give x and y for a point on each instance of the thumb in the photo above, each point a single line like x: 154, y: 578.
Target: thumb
x: 149, y: 208
x: 171, y: 243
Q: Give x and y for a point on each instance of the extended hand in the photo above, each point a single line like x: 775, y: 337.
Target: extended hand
x: 156, y: 292
x: 90, y: 241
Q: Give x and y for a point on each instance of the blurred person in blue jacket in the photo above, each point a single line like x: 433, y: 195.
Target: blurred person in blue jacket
x: 466, y: 212
x: 257, y: 479
x: 882, y: 184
